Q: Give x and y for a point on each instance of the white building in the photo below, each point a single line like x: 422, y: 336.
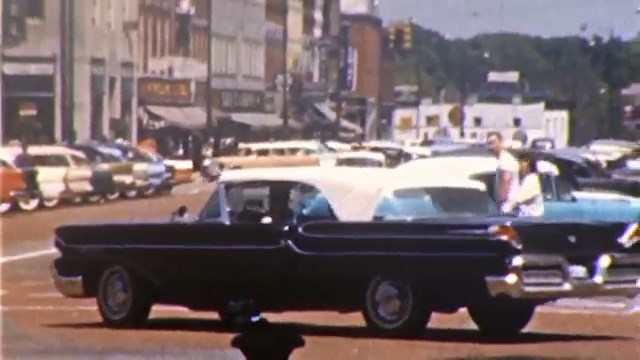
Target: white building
x: 369, y: 7
x: 481, y: 118
x: 104, y: 47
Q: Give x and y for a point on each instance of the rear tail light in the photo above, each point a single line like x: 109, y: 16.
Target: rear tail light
x: 506, y: 233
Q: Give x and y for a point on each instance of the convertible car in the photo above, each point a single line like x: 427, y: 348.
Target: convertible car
x: 348, y: 240
x: 562, y: 200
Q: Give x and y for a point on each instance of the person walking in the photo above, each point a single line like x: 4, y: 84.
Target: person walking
x: 528, y: 200
x: 507, y: 171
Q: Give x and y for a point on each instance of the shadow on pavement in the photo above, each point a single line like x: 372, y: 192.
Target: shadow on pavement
x: 355, y: 332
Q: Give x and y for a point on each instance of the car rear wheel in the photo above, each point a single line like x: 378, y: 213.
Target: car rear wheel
x: 29, y: 204
x: 92, y: 199
x: 392, y: 307
x: 123, y: 298
x: 502, y: 316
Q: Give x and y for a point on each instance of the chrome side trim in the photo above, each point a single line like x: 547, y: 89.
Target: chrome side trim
x: 299, y: 251
x: 69, y: 286
x: 604, y: 281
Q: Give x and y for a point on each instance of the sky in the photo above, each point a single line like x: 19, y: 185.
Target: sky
x: 465, y: 18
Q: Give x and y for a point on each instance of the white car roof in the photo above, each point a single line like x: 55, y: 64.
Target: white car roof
x: 361, y: 155
x: 13, y: 151
x: 353, y: 193
x: 454, y: 165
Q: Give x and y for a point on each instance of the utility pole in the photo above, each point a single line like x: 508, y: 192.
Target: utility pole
x: 66, y: 59
x: 208, y: 93
x: 1, y: 72
x: 285, y: 87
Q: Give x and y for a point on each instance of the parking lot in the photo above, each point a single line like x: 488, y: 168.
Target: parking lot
x: 38, y: 322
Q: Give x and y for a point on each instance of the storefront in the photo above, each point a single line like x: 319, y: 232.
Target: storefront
x: 28, y: 82
x: 168, y: 114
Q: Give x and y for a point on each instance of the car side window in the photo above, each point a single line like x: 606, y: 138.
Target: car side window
x: 489, y: 180
x: 547, y: 184
x: 580, y: 170
x: 247, y: 202
x: 4, y: 164
x: 212, y: 209
x: 564, y: 189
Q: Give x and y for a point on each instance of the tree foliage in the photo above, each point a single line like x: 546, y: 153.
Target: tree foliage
x: 588, y: 73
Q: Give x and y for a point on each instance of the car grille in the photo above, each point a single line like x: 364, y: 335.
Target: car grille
x: 623, y: 274
x: 542, y: 277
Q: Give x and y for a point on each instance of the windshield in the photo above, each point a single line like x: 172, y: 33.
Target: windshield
x: 435, y: 202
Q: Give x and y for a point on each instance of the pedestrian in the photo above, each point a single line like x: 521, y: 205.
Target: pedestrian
x: 507, y: 171
x: 24, y: 160
x: 528, y: 200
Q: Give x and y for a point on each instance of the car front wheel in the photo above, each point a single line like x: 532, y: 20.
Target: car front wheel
x: 123, y: 298
x: 392, y: 307
x: 501, y: 316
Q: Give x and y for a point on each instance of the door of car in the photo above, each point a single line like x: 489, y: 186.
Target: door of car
x: 52, y: 170
x: 78, y: 177
x: 246, y: 253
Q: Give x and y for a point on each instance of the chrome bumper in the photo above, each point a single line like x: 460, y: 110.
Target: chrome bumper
x: 69, y: 286
x: 550, y: 277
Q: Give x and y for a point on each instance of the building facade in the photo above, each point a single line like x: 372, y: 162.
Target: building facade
x: 102, y: 67
x: 372, y: 81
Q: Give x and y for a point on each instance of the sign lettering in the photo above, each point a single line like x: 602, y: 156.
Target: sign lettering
x: 165, y: 90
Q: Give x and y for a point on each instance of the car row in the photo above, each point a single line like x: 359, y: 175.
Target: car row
x: 78, y: 173
x: 393, y: 244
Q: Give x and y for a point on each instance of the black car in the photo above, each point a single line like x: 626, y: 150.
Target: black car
x: 305, y: 239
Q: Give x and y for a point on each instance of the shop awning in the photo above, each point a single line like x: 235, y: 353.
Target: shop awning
x: 263, y: 120
x: 14, y: 68
x: 186, y: 117
x: 330, y: 115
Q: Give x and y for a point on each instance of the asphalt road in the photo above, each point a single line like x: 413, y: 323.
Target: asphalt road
x: 37, y: 323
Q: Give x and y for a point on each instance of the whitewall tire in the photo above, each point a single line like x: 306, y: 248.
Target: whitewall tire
x: 393, y: 307
x: 123, y: 298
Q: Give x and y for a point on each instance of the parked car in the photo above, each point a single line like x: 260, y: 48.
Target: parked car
x: 151, y: 175
x: 62, y: 174
x: 257, y: 242
x: 112, y: 161
x: 560, y: 201
x: 15, y: 190
x: 589, y: 174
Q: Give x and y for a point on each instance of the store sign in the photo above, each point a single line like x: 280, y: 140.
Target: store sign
x: 158, y: 90
x: 238, y: 101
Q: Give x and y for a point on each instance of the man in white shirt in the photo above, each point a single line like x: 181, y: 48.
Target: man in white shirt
x: 507, y: 172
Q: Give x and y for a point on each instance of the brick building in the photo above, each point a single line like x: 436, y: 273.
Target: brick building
x: 372, y: 91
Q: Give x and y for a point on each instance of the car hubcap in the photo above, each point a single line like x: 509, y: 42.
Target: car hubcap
x: 5, y: 206
x: 391, y: 302
x: 116, y: 295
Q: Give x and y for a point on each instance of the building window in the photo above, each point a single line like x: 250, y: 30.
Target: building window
x: 34, y: 9
x: 95, y: 14
x: 111, y: 14
x: 477, y: 121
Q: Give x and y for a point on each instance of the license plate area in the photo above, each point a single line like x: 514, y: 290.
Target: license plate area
x: 578, y: 272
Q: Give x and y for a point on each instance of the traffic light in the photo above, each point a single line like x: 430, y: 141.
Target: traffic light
x: 407, y: 42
